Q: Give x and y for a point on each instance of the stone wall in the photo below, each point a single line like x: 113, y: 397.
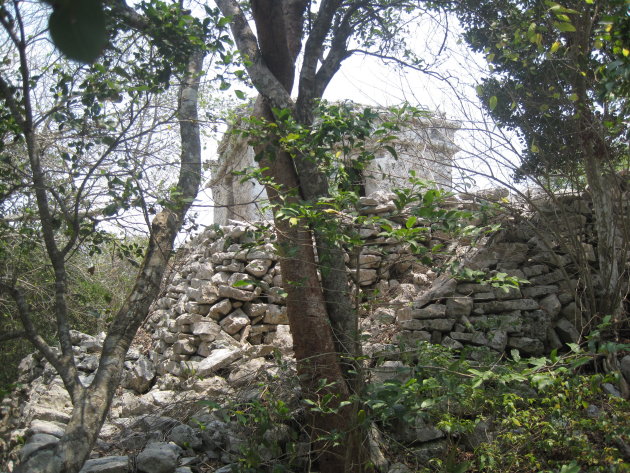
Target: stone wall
x: 221, y: 316
x: 425, y: 146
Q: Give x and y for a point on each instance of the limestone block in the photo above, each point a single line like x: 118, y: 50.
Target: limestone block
x: 246, y: 373
x: 441, y: 325
x: 185, y: 346
x: 238, y: 277
x: 186, y: 319
x: 38, y: 426
x: 526, y: 345
x: 458, y: 306
x: 535, y: 270
x: 430, y: 312
x: 218, y: 359
x: 546, y: 279
x: 413, y: 337
x: 185, y: 437
x: 281, y: 338
x: 497, y: 339
x: 495, y: 307
x: 258, y: 267
x: 212, y: 386
x: 220, y: 309
x: 114, y: 464
x: 234, y: 322
x: 254, y: 310
x: 158, y: 457
x: 390, y: 370
x: 551, y: 305
x: 448, y: 342
x: 206, y: 330
x: 238, y: 294
x: 461, y: 336
x: 205, y: 272
x: 141, y: 376
x: 538, y: 291
x: 567, y: 331
x: 507, y: 293
x: 276, y: 315
x: 36, y: 442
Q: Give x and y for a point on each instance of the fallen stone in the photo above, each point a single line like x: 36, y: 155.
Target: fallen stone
x: 185, y: 437
x: 234, y: 322
x: 567, y: 331
x: 116, y: 464
x: 36, y: 442
x: 158, y: 457
x: 218, y: 359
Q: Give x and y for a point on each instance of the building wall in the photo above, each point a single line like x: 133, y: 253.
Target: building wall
x: 426, y: 146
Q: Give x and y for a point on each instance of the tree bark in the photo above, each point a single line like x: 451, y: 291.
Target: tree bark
x: 92, y: 405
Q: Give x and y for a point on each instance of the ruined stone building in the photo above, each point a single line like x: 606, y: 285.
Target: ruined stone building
x: 425, y: 145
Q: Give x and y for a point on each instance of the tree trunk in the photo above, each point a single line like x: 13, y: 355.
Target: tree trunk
x: 92, y: 405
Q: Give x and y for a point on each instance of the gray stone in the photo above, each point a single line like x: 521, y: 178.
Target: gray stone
x: 497, y: 339
x: 507, y: 306
x: 218, y: 359
x: 116, y: 464
x: 526, y: 345
x: 413, y: 337
x: 220, y: 309
x: 442, y: 287
x: 548, y: 278
x: 276, y: 315
x: 448, y: 342
x: 238, y: 294
x: 158, y: 457
x: 459, y: 306
x: 551, y: 305
x: 611, y: 389
x: 240, y: 278
x: 234, y: 322
x: 567, y: 331
x: 184, y: 436
x: 186, y: 346
x: 281, y: 338
x: 141, y: 376
x: 47, y: 427
x: 432, y: 311
x: 390, y: 370
x: 507, y: 293
x: 246, y: 373
x: 206, y: 330
x: 258, y: 267
x: 36, y: 442
x: 537, y: 291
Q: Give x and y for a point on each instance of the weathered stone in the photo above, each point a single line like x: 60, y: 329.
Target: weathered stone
x: 239, y: 280
x: 158, y: 457
x: 526, y: 345
x: 212, y: 386
x: 442, y: 287
x: 448, y: 342
x: 567, y: 331
x: 238, y: 294
x: 47, y: 427
x: 206, y: 330
x: 413, y: 337
x: 461, y: 336
x: 535, y: 270
x: 276, y: 315
x: 497, y: 339
x: 507, y: 293
x: 506, y: 306
x: 551, y: 305
x: 548, y: 278
x: 186, y: 346
x: 141, y: 375
x: 220, y: 309
x: 281, y: 338
x: 234, y: 322
x: 537, y: 291
x: 218, y: 359
x: 367, y: 261
x: 186, y: 319
x: 458, y: 306
x: 36, y: 442
x: 432, y: 311
x: 116, y: 464
x: 258, y: 267
x: 246, y: 373
x: 185, y: 437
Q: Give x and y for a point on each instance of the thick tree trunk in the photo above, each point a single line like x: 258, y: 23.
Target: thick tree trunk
x: 92, y: 405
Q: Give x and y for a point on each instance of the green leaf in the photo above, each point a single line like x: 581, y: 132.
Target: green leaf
x: 77, y: 27
x: 240, y: 94
x: 411, y: 221
x: 564, y: 27
x: 492, y: 103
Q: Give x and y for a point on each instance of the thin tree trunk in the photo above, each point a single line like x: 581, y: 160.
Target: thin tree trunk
x: 91, y: 407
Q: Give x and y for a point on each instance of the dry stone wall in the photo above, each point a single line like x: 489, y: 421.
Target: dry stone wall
x: 221, y: 317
